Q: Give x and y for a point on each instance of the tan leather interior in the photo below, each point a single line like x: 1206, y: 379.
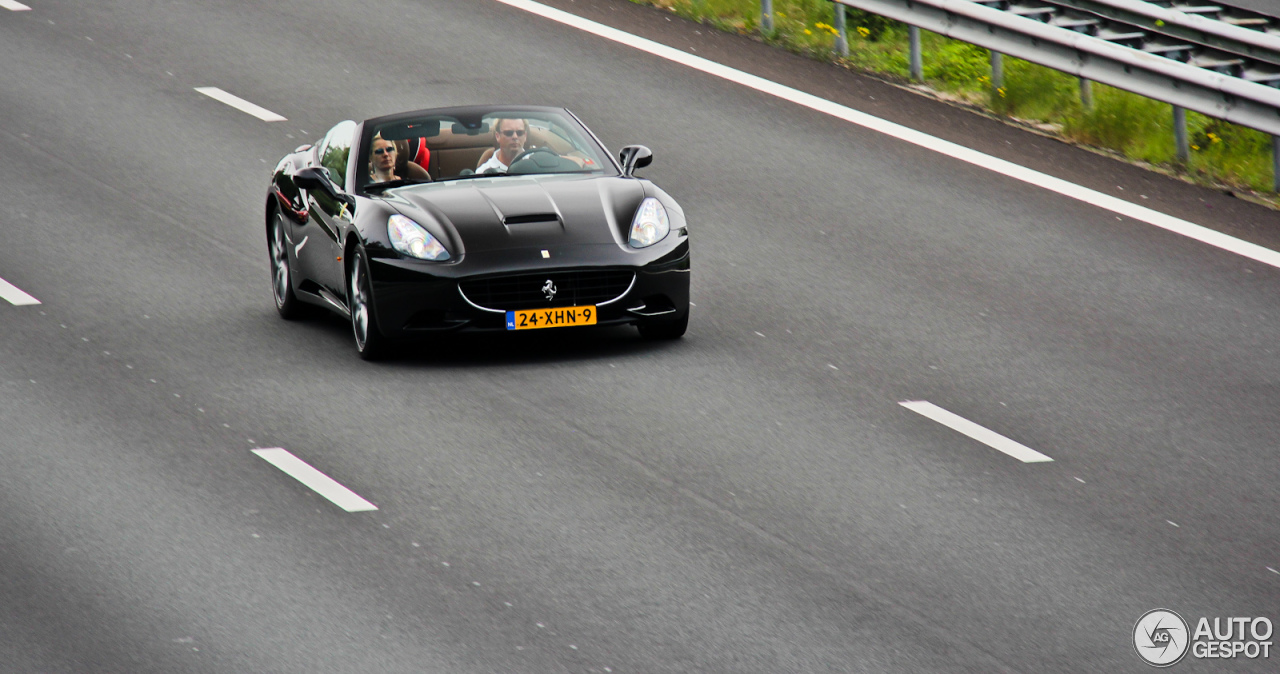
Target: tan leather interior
x: 453, y: 152
x: 413, y: 171
x: 404, y: 167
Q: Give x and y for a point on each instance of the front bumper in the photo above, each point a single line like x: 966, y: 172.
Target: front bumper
x: 415, y: 299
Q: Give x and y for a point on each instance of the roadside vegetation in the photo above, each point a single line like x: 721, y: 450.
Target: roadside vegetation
x: 1138, y: 128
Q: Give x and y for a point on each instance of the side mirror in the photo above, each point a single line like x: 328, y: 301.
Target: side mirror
x: 316, y: 178
x: 634, y: 157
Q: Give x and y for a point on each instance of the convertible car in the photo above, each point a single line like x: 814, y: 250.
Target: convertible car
x: 483, y: 218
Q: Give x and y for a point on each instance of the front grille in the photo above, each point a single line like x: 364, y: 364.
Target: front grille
x: 525, y: 291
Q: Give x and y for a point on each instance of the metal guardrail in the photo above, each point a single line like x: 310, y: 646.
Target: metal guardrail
x: 1240, y: 32
x: 1221, y: 61
x: 1222, y: 39
x: 1145, y: 72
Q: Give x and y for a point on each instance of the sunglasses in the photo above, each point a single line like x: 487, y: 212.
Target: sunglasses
x: 384, y: 150
x: 512, y: 133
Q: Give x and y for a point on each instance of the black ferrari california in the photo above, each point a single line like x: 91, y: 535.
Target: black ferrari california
x: 483, y: 218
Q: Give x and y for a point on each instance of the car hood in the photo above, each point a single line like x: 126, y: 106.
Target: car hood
x: 488, y: 214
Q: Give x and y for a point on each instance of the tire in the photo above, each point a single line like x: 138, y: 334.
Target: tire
x: 288, y: 305
x: 370, y: 342
x: 663, y: 330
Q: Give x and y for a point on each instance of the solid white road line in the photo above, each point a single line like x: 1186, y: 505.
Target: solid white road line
x: 240, y: 104
x: 322, y: 484
x: 10, y: 292
x: 14, y: 6
x: 1007, y: 168
x: 987, y: 437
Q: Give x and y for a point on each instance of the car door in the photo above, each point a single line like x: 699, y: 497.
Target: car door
x: 320, y: 246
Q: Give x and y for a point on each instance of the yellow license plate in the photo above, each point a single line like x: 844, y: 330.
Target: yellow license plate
x: 559, y: 317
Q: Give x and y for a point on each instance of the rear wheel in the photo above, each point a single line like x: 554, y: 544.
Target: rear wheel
x: 665, y: 329
x: 364, y: 325
x: 287, y: 302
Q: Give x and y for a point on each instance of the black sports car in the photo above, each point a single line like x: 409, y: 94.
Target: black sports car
x: 474, y: 219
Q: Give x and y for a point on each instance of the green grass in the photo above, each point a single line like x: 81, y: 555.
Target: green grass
x: 1139, y: 128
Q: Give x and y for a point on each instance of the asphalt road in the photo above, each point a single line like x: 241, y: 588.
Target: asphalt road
x: 752, y: 498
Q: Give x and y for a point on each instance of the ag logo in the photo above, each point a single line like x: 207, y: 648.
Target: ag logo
x: 1161, y: 637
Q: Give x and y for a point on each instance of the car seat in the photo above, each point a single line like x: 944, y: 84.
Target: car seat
x: 411, y: 168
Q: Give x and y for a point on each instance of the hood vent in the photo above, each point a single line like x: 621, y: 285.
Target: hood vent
x: 530, y: 218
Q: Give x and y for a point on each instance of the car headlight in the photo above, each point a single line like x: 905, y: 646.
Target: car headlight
x: 410, y: 238
x: 650, y: 224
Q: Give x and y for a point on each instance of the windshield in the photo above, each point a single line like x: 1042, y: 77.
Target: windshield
x: 479, y: 143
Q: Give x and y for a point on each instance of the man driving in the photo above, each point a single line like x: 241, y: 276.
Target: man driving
x: 509, y: 136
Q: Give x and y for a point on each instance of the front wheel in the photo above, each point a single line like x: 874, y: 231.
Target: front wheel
x: 287, y: 302
x: 660, y: 330
x: 370, y: 343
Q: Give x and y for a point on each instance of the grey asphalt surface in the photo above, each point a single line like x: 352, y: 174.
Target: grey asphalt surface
x: 751, y: 498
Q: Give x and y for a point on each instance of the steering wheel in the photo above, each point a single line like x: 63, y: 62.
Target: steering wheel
x: 535, y: 151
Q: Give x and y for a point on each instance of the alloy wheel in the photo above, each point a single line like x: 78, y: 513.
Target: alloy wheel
x: 359, y: 302
x: 279, y: 263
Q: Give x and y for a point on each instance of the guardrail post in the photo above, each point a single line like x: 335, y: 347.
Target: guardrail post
x: 766, y: 15
x: 1086, y: 93
x: 1180, y: 134
x: 917, y: 65
x: 1275, y: 163
x: 842, y: 39
x: 997, y: 71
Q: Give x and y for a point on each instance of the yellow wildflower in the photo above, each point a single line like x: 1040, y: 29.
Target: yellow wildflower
x: 863, y: 31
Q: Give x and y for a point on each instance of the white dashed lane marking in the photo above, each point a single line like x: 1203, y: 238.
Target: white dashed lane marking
x: 240, y: 104
x: 319, y: 482
x: 921, y: 139
x: 13, y: 6
x: 11, y: 292
x: 986, y: 436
